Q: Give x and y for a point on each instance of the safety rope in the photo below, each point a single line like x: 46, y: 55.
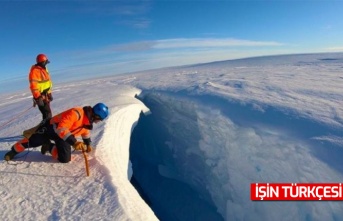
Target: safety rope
x: 14, y: 118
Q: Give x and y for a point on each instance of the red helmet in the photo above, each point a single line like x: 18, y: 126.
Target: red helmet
x: 42, y: 58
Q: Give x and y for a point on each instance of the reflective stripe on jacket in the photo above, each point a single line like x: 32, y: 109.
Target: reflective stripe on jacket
x: 72, y: 123
x: 40, y: 81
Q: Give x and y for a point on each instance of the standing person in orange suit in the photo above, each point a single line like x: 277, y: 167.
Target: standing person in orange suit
x: 41, y: 85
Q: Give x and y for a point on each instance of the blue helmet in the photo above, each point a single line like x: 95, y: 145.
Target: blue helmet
x: 100, y: 110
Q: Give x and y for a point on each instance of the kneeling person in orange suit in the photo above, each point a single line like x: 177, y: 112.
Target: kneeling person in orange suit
x: 63, y: 129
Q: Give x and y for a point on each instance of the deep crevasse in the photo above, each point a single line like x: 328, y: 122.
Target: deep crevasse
x: 215, y: 149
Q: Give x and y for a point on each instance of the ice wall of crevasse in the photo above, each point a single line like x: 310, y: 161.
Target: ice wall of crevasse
x: 195, y: 156
x: 157, y: 179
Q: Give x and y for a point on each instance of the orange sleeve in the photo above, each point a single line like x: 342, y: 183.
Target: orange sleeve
x: 67, y: 121
x: 34, y: 78
x: 86, y: 134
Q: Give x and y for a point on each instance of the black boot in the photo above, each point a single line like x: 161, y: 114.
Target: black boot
x: 10, y: 155
x: 46, y: 147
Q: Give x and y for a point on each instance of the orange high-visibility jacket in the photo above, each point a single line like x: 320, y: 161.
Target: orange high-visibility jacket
x: 72, y: 123
x: 40, y: 81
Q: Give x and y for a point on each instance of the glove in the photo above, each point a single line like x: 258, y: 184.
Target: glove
x: 39, y: 101
x: 89, y: 148
x: 50, y: 97
x: 79, y: 145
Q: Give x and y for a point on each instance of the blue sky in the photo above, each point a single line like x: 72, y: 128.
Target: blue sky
x: 96, y: 38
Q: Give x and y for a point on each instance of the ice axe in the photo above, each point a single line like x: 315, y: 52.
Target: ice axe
x: 86, y: 161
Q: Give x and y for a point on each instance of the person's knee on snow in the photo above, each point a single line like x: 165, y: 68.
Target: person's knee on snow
x: 61, y: 151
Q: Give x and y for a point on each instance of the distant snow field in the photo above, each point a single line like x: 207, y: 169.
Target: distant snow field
x: 185, y: 143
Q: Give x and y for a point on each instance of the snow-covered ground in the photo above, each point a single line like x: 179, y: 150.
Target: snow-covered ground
x: 213, y: 129
x: 36, y: 187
